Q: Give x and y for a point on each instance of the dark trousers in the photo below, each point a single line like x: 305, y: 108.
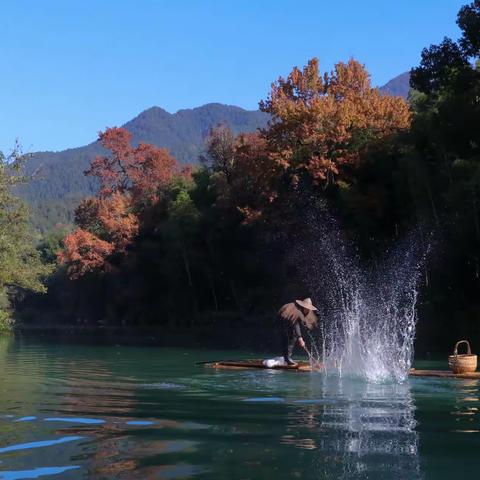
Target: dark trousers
x: 288, y: 340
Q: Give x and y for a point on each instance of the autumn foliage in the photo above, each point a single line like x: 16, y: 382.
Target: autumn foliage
x: 142, y: 171
x: 224, y: 242
x: 322, y: 126
x: 320, y: 123
x: 130, y: 178
x: 84, y: 252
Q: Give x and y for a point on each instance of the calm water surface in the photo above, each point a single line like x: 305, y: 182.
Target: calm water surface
x: 102, y: 412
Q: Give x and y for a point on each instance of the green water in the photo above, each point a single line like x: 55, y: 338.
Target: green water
x: 102, y: 412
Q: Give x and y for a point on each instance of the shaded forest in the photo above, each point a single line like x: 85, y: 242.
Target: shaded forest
x: 169, y: 245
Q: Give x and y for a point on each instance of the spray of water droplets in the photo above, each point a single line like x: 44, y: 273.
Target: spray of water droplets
x: 367, y: 312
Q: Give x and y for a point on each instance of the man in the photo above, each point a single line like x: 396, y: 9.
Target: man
x: 290, y: 318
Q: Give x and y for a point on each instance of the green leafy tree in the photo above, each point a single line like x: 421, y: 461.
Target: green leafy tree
x: 183, y: 218
x: 444, y: 152
x: 21, y: 265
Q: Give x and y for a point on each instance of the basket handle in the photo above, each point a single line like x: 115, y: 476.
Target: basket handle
x: 469, y: 351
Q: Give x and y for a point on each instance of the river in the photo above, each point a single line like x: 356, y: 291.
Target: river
x: 76, y: 411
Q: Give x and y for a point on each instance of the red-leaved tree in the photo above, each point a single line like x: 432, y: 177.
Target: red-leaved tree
x: 142, y: 171
x: 131, y: 178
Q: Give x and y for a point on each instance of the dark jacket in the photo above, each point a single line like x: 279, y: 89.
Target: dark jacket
x: 289, y: 319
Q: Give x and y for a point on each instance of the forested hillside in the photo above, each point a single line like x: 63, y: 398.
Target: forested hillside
x: 59, y: 184
x: 162, y: 245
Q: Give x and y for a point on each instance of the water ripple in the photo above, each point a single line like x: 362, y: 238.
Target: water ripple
x: 87, y: 421
x: 38, y: 444
x: 35, y: 472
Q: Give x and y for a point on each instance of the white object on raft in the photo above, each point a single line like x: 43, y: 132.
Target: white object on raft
x: 275, y: 362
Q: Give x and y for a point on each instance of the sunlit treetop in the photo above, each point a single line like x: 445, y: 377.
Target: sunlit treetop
x: 321, y: 122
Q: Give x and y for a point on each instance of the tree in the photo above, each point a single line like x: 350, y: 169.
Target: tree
x: 140, y: 170
x: 444, y: 147
x: 450, y: 65
x: 468, y: 20
x: 84, y: 253
x: 220, y: 146
x: 131, y: 179
x: 440, y: 65
x: 241, y: 170
x: 106, y: 226
x: 21, y: 266
x: 183, y: 218
x: 322, y: 123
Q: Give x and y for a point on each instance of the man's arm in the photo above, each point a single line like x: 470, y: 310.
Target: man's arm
x: 298, y: 334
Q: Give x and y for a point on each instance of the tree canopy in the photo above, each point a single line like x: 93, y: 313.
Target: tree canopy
x: 21, y: 266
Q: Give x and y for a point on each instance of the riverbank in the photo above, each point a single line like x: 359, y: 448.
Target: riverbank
x: 225, y: 337
x: 228, y: 336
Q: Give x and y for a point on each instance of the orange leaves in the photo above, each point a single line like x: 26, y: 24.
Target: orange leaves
x: 152, y: 169
x: 141, y: 170
x: 84, y: 252
x: 130, y: 178
x: 106, y: 226
x: 254, y: 173
x: 244, y: 175
x: 112, y: 170
x: 321, y: 123
x: 120, y: 223
x: 348, y: 80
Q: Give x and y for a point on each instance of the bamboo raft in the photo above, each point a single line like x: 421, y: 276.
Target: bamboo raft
x: 303, y: 366
x: 444, y: 374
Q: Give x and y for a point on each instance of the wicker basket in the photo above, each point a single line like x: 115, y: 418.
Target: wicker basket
x: 463, y: 363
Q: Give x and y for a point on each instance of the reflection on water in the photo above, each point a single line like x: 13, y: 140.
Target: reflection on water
x: 360, y: 430
x: 77, y: 412
x: 465, y: 413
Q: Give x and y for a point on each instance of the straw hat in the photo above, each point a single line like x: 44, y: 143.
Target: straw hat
x: 306, y: 303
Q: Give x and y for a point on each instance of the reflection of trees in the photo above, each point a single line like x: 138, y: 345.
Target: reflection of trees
x: 466, y: 408
x: 359, y: 430
x: 114, y: 449
x: 61, y: 385
x: 20, y: 378
x: 93, y: 391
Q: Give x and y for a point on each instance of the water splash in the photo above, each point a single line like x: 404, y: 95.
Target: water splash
x: 367, y: 313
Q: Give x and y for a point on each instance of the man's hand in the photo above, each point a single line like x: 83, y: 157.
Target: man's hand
x: 301, y: 342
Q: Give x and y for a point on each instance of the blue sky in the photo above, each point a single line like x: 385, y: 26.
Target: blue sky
x: 72, y: 68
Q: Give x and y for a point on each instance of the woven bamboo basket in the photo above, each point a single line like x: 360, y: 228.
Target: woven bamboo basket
x: 462, y: 363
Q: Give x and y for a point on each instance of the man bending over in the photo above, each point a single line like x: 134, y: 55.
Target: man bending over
x: 290, y: 319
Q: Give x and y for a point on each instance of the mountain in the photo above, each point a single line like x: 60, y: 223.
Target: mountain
x: 58, y: 182
x: 398, y: 86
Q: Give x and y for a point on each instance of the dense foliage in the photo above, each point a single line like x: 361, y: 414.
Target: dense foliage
x: 445, y: 153
x: 165, y: 245
x: 177, y: 244
x: 21, y: 267
x: 58, y: 183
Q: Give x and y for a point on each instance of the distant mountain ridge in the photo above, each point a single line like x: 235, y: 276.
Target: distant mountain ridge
x: 398, y: 86
x: 59, y: 183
